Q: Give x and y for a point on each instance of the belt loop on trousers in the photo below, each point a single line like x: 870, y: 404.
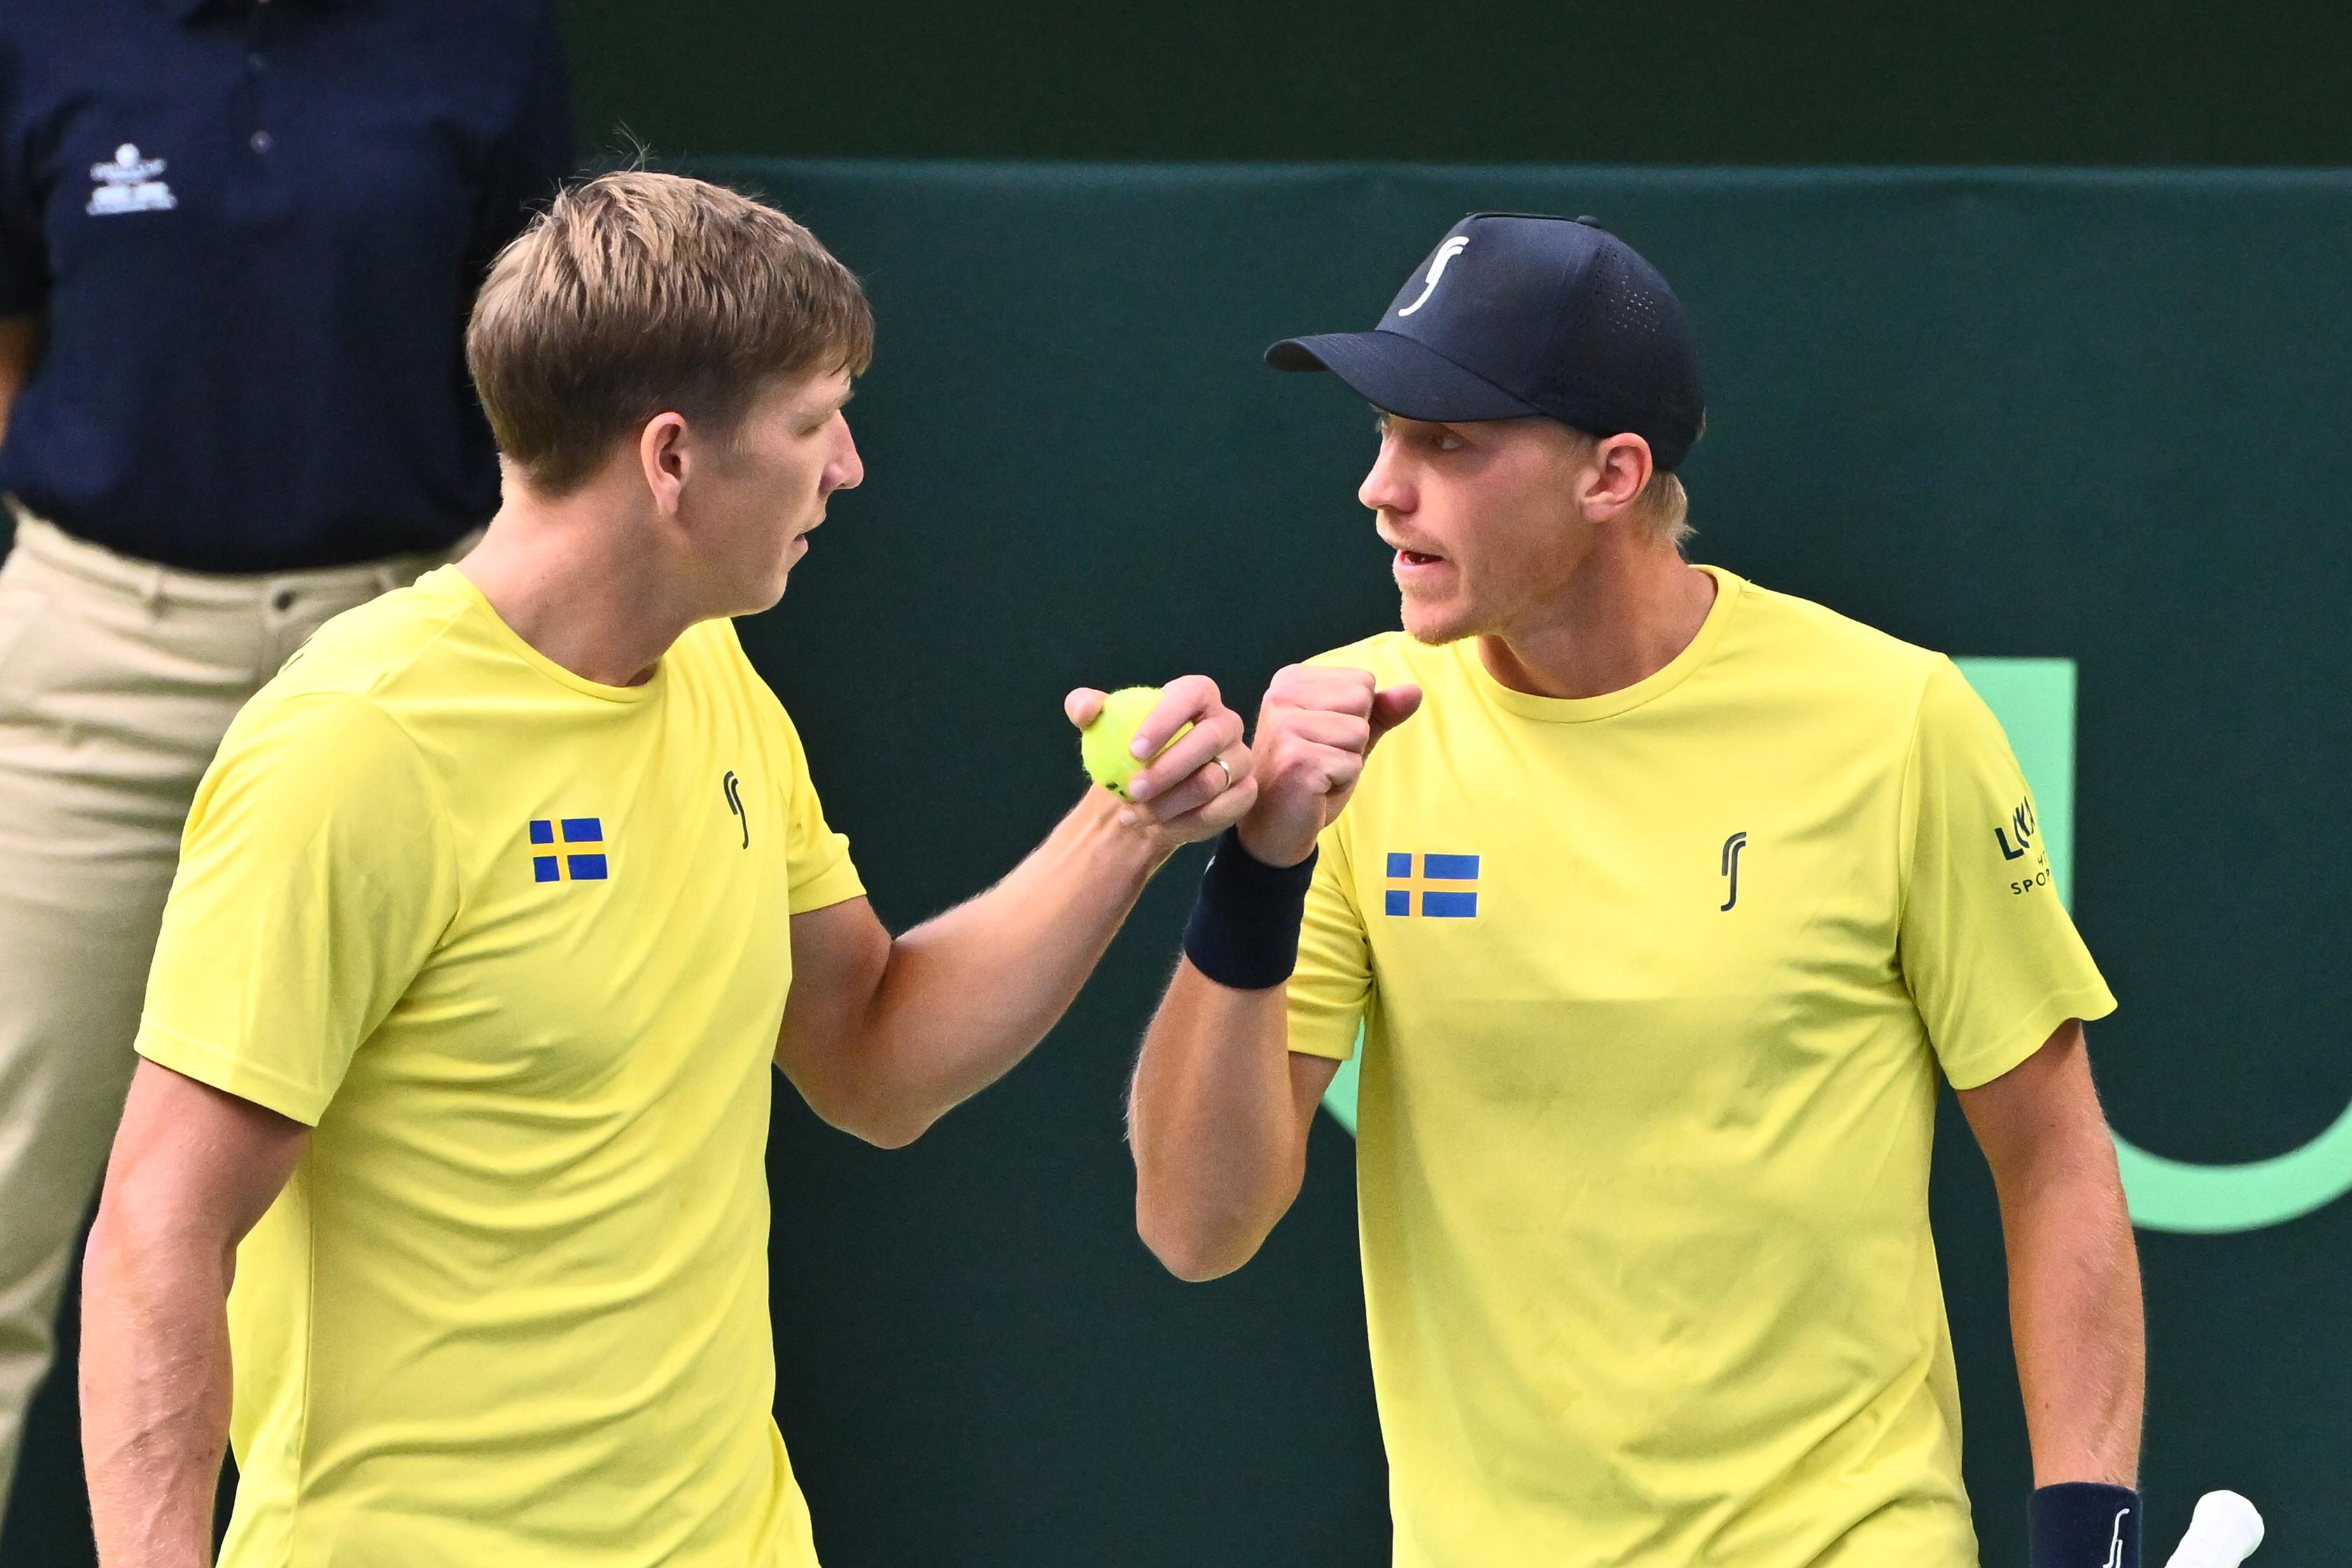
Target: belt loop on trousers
x: 154, y: 594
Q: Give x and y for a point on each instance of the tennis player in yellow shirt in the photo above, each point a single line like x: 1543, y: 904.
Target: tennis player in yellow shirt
x: 458, y: 1038
x: 1660, y: 907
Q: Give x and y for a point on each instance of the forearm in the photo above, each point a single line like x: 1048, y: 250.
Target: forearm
x: 20, y: 340
x: 969, y: 993
x: 154, y: 1395
x: 2075, y: 1319
x: 1214, y: 1121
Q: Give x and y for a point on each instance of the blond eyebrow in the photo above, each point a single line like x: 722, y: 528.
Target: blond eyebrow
x: 819, y: 416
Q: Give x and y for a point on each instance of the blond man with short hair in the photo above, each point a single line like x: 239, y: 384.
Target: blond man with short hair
x: 1652, y: 905
x: 457, y: 1041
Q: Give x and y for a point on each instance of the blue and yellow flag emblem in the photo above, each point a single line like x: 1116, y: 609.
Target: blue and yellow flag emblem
x: 579, y: 866
x: 1448, y: 886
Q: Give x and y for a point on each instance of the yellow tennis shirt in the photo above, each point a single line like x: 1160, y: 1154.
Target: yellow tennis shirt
x: 517, y: 945
x: 1655, y: 988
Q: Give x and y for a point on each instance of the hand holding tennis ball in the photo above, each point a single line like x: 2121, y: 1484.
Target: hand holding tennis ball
x: 1174, y: 753
x: 1106, y: 746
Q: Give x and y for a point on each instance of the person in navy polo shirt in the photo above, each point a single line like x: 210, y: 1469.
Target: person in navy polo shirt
x: 238, y: 241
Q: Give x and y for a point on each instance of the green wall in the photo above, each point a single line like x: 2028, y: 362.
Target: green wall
x: 2079, y: 416
x: 1667, y: 81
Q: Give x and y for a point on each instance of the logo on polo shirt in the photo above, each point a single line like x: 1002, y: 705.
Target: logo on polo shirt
x: 573, y: 865
x: 732, y: 788
x: 1731, y: 848
x: 1448, y: 886
x: 129, y: 185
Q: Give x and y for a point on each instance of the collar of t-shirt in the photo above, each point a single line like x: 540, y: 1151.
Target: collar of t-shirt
x: 1649, y: 688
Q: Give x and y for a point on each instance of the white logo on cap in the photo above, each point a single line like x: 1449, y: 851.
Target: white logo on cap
x: 1445, y: 253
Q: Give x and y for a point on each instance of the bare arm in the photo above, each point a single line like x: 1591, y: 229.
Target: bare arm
x: 1218, y: 1117
x: 193, y: 1170
x: 883, y: 1037
x: 20, y: 340
x: 2074, y: 1271
x: 1221, y: 1106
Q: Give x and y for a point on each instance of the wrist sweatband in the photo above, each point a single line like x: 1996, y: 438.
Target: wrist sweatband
x: 1244, y: 927
x: 2084, y: 1524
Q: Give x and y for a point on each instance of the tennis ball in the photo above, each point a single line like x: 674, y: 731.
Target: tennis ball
x: 1103, y: 745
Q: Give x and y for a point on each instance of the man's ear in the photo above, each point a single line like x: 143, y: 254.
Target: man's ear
x: 662, y: 456
x: 1621, y: 469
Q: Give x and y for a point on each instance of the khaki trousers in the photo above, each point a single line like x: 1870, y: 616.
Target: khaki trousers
x: 117, y: 680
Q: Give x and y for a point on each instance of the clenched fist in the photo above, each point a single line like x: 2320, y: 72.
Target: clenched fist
x: 1315, y: 728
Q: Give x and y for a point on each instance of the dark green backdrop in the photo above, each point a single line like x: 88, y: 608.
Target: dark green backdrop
x: 2090, y: 415
x: 1634, y: 81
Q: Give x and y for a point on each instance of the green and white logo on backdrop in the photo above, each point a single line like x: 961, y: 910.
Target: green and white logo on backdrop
x: 2034, y: 700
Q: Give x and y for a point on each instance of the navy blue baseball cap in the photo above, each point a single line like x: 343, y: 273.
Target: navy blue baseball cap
x: 1515, y: 314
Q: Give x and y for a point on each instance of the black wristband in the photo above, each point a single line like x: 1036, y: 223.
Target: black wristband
x: 2084, y: 1524
x: 1244, y: 927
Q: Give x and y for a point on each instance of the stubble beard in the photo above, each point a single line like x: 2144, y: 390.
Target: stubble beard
x: 1450, y: 625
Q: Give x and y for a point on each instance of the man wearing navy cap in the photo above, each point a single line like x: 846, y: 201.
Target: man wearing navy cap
x: 1658, y: 912
x: 239, y: 239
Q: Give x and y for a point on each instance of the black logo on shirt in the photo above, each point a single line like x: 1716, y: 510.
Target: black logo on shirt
x: 735, y: 805
x: 1731, y: 848
x: 2022, y: 823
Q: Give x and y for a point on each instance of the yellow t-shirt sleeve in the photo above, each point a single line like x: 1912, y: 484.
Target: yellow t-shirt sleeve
x: 1334, y: 978
x: 816, y: 857
x: 316, y: 874
x: 1991, y: 958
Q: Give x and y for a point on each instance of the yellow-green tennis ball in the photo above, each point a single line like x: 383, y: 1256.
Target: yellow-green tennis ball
x: 1104, y: 745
